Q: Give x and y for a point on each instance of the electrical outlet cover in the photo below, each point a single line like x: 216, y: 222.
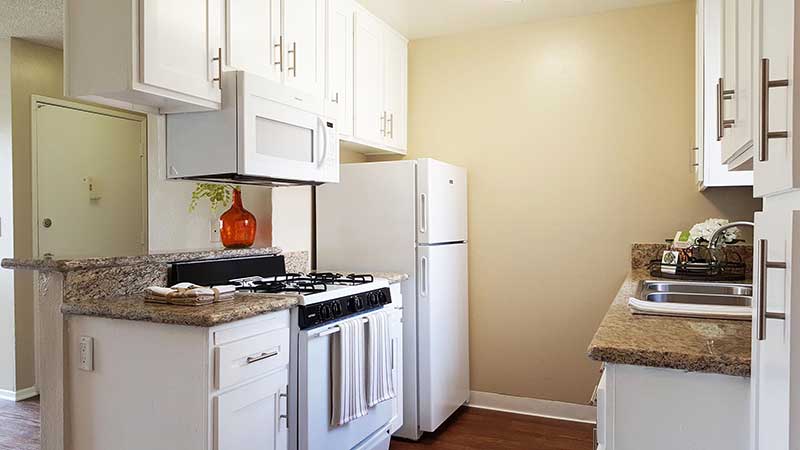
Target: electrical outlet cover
x: 86, y: 354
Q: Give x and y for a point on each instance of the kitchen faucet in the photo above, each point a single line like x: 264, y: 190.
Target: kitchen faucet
x: 718, y: 234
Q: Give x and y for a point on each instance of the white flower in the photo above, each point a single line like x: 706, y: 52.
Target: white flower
x: 705, y: 230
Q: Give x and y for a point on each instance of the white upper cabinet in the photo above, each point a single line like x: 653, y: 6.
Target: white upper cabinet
x: 707, y: 153
x: 131, y: 51
x: 253, y: 37
x: 370, y: 115
x: 304, y: 45
x: 776, y: 162
x: 340, y: 64
x: 367, y: 80
x: 735, y: 91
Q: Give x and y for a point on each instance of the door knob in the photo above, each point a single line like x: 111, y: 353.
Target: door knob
x: 47, y: 222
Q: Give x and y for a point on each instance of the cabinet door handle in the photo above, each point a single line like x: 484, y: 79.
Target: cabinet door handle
x: 383, y: 124
x: 279, y: 46
x: 693, y: 160
x: 723, y: 95
x: 335, y: 99
x: 261, y: 357
x: 763, y: 265
x: 218, y: 59
x: 766, y: 135
x: 293, y: 52
x: 391, y: 125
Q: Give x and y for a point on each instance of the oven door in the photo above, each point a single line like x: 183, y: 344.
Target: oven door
x: 280, y: 141
x: 314, y: 402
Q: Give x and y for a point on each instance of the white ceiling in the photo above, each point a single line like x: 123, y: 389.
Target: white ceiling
x: 41, y: 20
x: 426, y: 18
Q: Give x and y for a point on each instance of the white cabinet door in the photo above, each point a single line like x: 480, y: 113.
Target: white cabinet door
x: 304, y: 28
x: 775, y: 164
x: 370, y: 116
x: 254, y: 416
x: 254, y: 37
x: 737, y: 78
x: 771, y: 357
x: 179, y: 57
x: 340, y: 64
x: 395, y: 84
x: 396, y: 334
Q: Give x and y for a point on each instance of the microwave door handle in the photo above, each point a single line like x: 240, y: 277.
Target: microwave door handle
x: 324, y: 136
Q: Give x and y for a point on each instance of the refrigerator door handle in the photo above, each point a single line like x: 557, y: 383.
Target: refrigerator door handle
x: 423, y: 213
x: 423, y: 286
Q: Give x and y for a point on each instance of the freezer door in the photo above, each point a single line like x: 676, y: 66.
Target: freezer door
x: 441, y: 202
x: 443, y: 316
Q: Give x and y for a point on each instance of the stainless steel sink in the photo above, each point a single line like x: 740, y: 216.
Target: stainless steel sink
x: 694, y: 299
x: 698, y: 288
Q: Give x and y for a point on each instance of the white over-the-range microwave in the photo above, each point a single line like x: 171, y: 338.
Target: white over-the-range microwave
x: 254, y: 139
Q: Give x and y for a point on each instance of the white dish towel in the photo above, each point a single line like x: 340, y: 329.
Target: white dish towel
x: 380, y: 382
x: 348, y: 398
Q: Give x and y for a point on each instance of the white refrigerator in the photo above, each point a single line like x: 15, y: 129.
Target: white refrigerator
x: 410, y: 217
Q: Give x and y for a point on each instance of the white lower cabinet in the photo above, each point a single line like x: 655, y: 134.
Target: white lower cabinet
x: 155, y: 386
x: 254, y: 416
x: 664, y: 409
x: 396, y: 335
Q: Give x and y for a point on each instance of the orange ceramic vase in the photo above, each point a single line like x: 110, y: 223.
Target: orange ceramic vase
x: 238, y: 228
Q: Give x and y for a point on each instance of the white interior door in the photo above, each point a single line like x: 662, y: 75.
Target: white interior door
x: 442, y: 202
x: 254, y: 37
x: 304, y: 25
x: 370, y: 115
x: 770, y: 374
x: 179, y: 39
x: 340, y: 64
x: 443, y: 324
x: 89, y: 181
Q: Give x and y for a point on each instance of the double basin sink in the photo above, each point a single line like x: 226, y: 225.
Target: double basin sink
x: 694, y: 299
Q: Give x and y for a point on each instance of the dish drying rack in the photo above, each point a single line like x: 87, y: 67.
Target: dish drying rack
x: 699, y: 262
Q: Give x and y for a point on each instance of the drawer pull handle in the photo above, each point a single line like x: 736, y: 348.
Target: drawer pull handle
x: 261, y: 357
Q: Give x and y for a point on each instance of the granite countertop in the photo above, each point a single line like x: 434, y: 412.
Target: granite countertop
x: 71, y: 265
x: 244, y: 306
x: 696, y: 345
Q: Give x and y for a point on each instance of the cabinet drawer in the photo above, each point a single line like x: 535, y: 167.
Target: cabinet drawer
x: 248, y: 358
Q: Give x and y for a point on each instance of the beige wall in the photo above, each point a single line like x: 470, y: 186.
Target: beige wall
x: 576, y: 133
x: 34, y: 70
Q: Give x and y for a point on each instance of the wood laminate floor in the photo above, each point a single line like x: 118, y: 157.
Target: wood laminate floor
x: 19, y: 424
x: 481, y: 429
x: 468, y: 429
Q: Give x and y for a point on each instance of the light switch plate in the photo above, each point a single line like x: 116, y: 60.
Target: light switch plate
x: 213, y: 230
x: 86, y: 354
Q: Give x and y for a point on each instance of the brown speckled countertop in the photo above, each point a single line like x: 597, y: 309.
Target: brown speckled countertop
x: 696, y: 345
x: 244, y: 306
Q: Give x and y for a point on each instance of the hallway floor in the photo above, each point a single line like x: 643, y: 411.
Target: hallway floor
x: 19, y: 424
x: 468, y: 429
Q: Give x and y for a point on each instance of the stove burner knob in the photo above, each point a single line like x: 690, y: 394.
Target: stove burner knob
x: 358, y: 303
x: 373, y: 299
x: 325, y: 312
x: 337, y: 309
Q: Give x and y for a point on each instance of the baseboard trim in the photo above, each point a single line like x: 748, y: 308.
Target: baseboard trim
x: 16, y: 396
x: 533, y: 407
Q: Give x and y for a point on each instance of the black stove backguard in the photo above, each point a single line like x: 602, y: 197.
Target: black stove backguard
x: 212, y: 272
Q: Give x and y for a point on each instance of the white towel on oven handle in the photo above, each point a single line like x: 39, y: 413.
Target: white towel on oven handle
x: 348, y: 397
x: 380, y: 380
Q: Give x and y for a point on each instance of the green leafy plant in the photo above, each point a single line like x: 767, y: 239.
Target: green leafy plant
x: 217, y: 194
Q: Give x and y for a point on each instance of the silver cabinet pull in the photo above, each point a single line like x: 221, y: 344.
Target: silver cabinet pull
x: 261, y: 357
x: 722, y: 95
x: 293, y: 52
x: 693, y: 157
x: 335, y: 99
x: 391, y: 125
x: 766, y: 135
x: 279, y: 46
x: 286, y: 402
x: 383, y: 124
x: 763, y: 265
x: 218, y: 59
